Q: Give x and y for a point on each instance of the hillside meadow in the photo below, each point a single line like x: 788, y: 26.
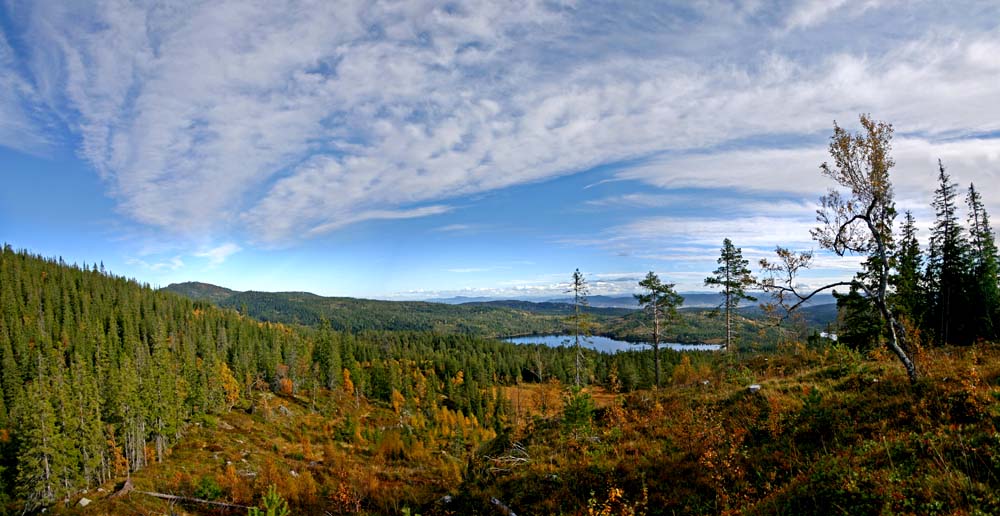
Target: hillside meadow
x: 831, y: 431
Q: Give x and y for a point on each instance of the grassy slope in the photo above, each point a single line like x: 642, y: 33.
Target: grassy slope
x: 830, y: 432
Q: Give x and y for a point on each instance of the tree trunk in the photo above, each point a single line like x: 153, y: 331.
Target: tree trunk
x: 175, y: 498
x: 729, y: 324
x: 577, y: 347
x: 656, y: 343
x: 896, y: 334
x: 656, y: 358
x: 576, y: 301
x: 729, y: 308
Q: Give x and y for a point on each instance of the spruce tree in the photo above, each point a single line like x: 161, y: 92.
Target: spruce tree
x: 734, y: 277
x: 88, y: 433
x: 908, y: 296
x: 327, y: 356
x: 579, y: 320
x: 41, y: 449
x: 858, y: 322
x: 947, y: 265
x: 985, y: 269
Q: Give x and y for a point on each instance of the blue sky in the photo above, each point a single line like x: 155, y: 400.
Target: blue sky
x: 418, y: 150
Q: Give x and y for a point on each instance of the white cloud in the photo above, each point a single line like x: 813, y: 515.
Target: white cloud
x: 452, y: 228
x: 795, y: 173
x: 743, y: 231
x: 166, y: 265
x: 540, y: 288
x: 379, y: 215
x: 218, y: 255
x: 641, y: 200
x: 810, y: 13
x: 286, y: 120
x: 20, y: 127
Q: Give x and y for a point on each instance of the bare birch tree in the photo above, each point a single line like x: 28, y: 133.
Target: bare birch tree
x: 855, y: 221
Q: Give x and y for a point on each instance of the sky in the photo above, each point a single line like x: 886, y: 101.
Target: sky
x: 421, y: 150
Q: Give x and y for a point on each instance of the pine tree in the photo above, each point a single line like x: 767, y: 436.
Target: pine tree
x: 661, y: 301
x: 734, y: 277
x: 985, y: 268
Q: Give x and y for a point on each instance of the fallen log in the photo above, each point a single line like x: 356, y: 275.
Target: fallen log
x: 175, y: 498
x: 507, y: 511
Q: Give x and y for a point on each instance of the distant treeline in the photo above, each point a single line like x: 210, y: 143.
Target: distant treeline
x: 493, y: 319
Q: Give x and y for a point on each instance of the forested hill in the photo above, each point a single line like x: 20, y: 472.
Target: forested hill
x: 101, y: 375
x: 201, y: 291
x: 483, y: 318
x: 350, y: 314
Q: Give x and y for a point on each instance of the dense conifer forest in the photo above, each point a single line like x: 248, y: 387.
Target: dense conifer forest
x: 102, y: 375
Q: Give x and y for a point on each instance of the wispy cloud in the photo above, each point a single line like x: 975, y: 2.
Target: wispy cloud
x: 20, y: 127
x: 467, y: 270
x: 641, y: 200
x: 811, y: 13
x: 306, y: 117
x: 218, y: 255
x: 795, y: 173
x: 167, y: 265
x: 455, y: 228
x: 353, y: 218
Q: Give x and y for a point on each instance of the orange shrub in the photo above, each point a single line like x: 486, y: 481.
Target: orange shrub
x: 285, y: 387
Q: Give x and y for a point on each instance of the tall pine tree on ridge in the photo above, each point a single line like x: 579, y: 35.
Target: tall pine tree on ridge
x: 733, y: 277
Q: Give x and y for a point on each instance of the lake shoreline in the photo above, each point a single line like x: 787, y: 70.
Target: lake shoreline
x: 605, y: 344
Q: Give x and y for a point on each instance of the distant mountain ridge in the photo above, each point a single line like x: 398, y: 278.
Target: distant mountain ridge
x: 199, y: 291
x: 352, y: 314
x: 493, y: 317
x: 691, y: 300
x: 553, y: 307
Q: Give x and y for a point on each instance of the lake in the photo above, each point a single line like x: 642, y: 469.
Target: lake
x: 605, y: 344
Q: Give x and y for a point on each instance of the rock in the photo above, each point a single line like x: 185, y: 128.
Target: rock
x: 84, y: 502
